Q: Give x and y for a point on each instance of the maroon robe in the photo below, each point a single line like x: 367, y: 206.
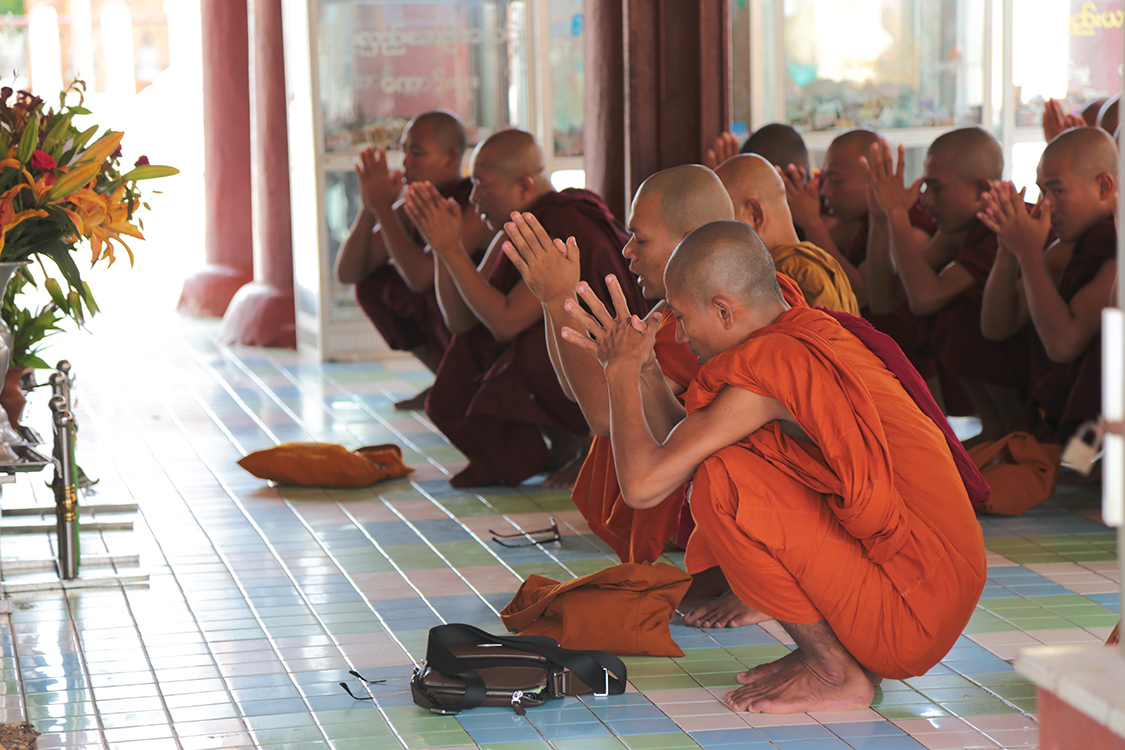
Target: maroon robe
x: 1063, y: 395
x: 404, y: 318
x: 963, y: 353
x: 909, y: 331
x: 490, y: 397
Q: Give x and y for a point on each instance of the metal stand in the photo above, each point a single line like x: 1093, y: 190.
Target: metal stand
x: 65, y: 486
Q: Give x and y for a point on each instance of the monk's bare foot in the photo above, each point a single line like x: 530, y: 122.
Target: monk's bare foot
x: 414, y: 403
x: 565, y: 477
x: 726, y: 611
x: 798, y: 684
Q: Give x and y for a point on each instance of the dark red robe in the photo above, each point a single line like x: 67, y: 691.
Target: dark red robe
x: 909, y: 331
x: 404, y: 318
x: 963, y: 353
x: 490, y: 397
x: 1063, y: 395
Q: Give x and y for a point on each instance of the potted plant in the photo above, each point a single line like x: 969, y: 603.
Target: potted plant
x: 29, y: 324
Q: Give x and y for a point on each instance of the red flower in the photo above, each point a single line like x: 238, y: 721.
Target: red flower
x: 42, y: 161
x: 141, y: 161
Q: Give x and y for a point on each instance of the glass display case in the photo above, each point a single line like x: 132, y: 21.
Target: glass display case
x: 358, y: 70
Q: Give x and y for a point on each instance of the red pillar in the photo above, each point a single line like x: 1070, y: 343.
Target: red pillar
x: 669, y: 62
x: 226, y: 161
x: 262, y: 313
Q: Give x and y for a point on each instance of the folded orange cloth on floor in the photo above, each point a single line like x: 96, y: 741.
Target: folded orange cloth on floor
x: 326, y: 465
x: 624, y: 609
x: 1020, y: 471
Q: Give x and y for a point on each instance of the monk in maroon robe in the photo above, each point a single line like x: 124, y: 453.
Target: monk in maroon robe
x: 385, y: 255
x: 945, y: 277
x: 1062, y: 290
x: 496, y: 396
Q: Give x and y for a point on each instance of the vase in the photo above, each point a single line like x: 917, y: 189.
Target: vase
x: 8, y: 436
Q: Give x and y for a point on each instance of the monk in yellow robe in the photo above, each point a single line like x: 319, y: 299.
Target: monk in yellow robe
x: 828, y: 498
x: 758, y: 194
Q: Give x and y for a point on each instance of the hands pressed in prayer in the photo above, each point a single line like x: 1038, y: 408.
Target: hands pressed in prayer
x: 623, y: 339
x: 1056, y: 121
x: 726, y: 146
x: 886, y: 184
x: 378, y: 186
x: 803, y: 198
x: 1021, y: 233
x: 437, y: 218
x: 549, y: 267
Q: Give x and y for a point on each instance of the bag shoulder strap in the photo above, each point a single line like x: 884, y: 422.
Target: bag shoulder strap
x: 598, y: 669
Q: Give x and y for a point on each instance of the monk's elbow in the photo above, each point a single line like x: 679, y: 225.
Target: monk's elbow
x: 925, y: 306
x: 640, y: 500
x: 418, y: 283
x: 1063, y: 351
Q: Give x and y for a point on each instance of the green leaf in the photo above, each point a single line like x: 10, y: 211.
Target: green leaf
x: 149, y: 172
x: 78, y: 142
x: 53, y: 289
x: 30, y: 360
x: 75, y: 303
x: 78, y: 110
x: 54, y: 140
x: 88, y: 296
x: 29, y: 140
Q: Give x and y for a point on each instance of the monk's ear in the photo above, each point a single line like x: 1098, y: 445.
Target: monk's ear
x: 526, y: 186
x: 723, y: 309
x: 755, y: 211
x: 983, y: 186
x: 1107, y: 185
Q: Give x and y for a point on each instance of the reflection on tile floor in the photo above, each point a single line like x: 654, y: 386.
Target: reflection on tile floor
x: 261, y: 599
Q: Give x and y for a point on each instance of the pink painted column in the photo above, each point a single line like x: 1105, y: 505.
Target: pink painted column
x: 263, y: 313
x: 226, y: 161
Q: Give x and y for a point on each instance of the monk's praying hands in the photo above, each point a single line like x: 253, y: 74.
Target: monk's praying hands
x: 1017, y: 230
x: 550, y: 268
x: 886, y: 181
x: 616, y: 340
x: 437, y: 218
x: 379, y: 186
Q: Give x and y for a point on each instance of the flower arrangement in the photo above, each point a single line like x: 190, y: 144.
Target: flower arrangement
x: 60, y: 186
x: 29, y: 327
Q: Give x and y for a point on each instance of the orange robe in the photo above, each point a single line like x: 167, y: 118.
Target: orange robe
x: 820, y: 276
x: 638, y: 535
x: 869, y: 528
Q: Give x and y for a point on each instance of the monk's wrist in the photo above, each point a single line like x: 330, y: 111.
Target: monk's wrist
x: 623, y: 369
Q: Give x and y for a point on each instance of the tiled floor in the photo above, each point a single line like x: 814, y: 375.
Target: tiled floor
x: 261, y: 599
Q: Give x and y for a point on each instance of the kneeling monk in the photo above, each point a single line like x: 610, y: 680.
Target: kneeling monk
x: 829, y: 499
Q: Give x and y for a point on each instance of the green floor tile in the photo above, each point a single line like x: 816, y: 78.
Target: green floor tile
x: 666, y: 669
x: 717, y: 679
x: 589, y: 743
x: 287, y: 734
x: 934, y: 681
x: 1001, y: 678
x: 911, y: 711
x: 993, y: 707
x: 436, y: 739
x: 1012, y: 692
x: 659, y: 742
x: 663, y: 683
x: 960, y: 693
x: 896, y: 697
x: 528, y: 745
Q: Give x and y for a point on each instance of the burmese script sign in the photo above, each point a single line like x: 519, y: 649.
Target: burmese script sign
x: 383, y: 63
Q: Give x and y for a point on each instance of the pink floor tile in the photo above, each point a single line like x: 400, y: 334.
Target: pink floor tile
x: 684, y: 695
x: 701, y: 723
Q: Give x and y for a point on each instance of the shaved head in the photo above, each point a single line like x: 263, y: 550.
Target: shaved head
x: 724, y: 257
x: 689, y: 196
x: 1107, y: 115
x: 444, y: 127
x: 512, y: 154
x: 750, y: 176
x: 858, y: 140
x: 974, y: 152
x: 1090, y: 111
x: 1090, y: 150
x: 780, y: 144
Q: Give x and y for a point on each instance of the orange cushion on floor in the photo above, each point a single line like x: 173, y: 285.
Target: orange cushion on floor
x: 325, y: 465
x: 624, y: 609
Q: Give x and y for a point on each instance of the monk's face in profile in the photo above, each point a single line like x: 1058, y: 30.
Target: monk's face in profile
x: 1077, y: 202
x: 495, y: 195
x: 697, y: 326
x: 951, y: 199
x: 424, y: 159
x: 843, y: 184
x: 650, y: 245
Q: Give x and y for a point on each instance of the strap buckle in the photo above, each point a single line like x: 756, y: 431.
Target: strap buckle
x: 605, y: 692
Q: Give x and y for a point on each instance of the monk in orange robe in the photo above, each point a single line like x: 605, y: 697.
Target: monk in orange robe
x: 758, y: 194
x: 945, y: 277
x: 828, y: 498
x: 668, y: 205
x: 494, y: 395
x: 1063, y: 289
x: 385, y: 255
